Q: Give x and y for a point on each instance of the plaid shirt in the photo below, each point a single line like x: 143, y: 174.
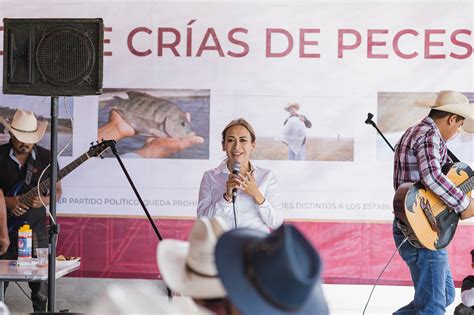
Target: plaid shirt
x: 419, y: 155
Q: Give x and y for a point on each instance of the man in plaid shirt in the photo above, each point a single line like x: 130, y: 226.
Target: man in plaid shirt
x: 419, y: 156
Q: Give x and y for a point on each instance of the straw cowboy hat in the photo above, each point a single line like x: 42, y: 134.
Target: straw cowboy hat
x: 188, y: 267
x: 455, y: 103
x: 25, y: 127
x: 292, y: 104
x: 277, y: 273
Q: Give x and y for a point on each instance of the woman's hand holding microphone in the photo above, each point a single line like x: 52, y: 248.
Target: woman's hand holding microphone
x: 245, y: 182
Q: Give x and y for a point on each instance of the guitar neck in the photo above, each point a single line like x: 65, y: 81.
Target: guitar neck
x: 467, y: 185
x: 44, y: 185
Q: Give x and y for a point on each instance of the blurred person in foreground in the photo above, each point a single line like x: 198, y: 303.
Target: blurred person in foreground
x: 139, y: 297
x: 188, y: 267
x: 279, y: 273
x: 466, y: 307
x: 257, y: 202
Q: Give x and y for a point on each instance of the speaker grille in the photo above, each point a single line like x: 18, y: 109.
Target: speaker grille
x: 53, y: 57
x: 65, y: 57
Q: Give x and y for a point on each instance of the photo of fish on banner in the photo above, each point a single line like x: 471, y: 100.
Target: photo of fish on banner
x: 156, y: 123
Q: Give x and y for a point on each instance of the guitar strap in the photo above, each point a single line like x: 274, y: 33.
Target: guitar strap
x: 30, y: 167
x: 453, y: 157
x: 29, y: 172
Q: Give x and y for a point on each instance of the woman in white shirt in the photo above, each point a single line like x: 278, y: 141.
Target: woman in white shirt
x: 257, y: 202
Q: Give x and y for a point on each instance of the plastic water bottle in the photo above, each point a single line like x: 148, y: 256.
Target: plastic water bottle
x: 24, y: 242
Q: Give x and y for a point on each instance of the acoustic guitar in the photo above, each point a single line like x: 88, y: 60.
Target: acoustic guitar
x: 18, y: 190
x: 423, y: 217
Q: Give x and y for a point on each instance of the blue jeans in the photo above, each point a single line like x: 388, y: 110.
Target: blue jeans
x: 431, y: 276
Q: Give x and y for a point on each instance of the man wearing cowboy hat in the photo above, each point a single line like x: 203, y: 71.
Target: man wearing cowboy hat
x: 22, y: 161
x: 294, y: 134
x: 419, y: 156
x: 276, y: 273
x: 188, y: 267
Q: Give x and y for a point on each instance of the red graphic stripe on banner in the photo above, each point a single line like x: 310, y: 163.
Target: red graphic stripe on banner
x: 352, y: 252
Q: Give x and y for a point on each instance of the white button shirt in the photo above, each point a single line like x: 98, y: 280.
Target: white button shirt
x: 249, y: 215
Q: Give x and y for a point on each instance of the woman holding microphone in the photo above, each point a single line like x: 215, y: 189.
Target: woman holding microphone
x: 238, y: 190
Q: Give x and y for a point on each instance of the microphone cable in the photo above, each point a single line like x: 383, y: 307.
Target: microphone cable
x: 38, y: 190
x: 383, y: 270
x: 235, y: 216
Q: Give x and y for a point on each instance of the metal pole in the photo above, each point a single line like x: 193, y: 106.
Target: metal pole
x: 53, y: 228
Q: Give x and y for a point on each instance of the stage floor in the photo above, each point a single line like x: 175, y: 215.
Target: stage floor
x: 351, y: 299
x: 77, y: 295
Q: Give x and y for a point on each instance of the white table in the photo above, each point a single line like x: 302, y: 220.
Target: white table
x: 9, y: 271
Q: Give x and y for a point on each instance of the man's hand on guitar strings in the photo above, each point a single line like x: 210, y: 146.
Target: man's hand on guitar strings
x: 15, y: 206
x: 36, y: 202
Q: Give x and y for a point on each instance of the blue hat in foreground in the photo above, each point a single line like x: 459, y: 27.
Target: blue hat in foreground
x: 277, y: 273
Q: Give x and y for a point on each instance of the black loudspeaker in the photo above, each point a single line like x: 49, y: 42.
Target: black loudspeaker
x: 53, y: 57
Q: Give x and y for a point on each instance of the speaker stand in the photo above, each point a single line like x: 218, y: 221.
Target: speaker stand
x: 53, y: 227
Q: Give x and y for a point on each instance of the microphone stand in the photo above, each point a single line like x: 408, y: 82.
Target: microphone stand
x: 369, y: 121
x: 150, y: 219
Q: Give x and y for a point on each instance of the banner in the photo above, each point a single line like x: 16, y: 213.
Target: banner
x: 174, y: 69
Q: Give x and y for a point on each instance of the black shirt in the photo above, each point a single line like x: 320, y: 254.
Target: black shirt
x: 11, y: 175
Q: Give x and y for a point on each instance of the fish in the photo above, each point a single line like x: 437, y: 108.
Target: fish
x: 153, y: 116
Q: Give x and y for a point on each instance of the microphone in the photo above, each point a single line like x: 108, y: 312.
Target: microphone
x: 235, y: 171
x: 369, y: 120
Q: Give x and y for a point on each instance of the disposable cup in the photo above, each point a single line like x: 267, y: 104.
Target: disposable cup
x: 42, y: 254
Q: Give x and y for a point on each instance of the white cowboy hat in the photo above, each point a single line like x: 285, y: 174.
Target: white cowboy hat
x: 25, y: 127
x: 188, y: 267
x: 452, y: 102
x: 292, y: 104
